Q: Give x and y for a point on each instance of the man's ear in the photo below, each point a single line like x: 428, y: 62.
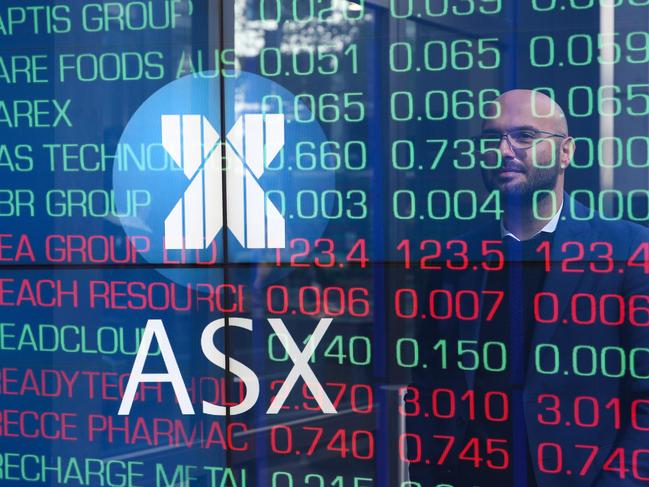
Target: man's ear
x: 566, y: 151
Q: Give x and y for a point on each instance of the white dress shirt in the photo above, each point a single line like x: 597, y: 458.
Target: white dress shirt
x: 549, y: 227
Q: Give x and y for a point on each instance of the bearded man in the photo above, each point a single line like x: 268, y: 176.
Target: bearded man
x: 555, y: 388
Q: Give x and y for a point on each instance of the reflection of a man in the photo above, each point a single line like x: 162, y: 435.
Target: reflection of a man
x: 555, y: 363
x: 534, y: 152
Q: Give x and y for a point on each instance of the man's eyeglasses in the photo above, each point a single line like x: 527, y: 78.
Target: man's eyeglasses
x: 517, y: 139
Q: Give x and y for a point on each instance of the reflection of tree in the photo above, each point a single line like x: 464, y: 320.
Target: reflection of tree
x: 333, y: 33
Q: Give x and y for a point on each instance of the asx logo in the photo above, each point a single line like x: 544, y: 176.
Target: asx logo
x: 196, y: 219
x: 301, y: 369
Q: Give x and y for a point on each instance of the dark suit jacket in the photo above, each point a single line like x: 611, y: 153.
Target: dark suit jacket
x: 623, y: 280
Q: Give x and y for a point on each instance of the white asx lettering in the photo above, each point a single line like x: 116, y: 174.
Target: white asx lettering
x: 300, y: 368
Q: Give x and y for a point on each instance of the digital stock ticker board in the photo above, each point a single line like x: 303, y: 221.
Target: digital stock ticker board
x: 324, y: 243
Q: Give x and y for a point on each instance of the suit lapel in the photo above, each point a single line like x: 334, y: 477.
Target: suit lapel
x: 562, y: 284
x: 475, y: 280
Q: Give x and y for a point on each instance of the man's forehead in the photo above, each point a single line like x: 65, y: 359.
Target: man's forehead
x: 505, y: 122
x: 520, y: 114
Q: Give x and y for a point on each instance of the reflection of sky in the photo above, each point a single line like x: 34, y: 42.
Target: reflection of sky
x: 333, y: 34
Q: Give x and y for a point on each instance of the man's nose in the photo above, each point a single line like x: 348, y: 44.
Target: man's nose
x: 506, y: 148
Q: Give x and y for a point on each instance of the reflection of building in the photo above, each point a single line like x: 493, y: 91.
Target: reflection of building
x: 333, y: 32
